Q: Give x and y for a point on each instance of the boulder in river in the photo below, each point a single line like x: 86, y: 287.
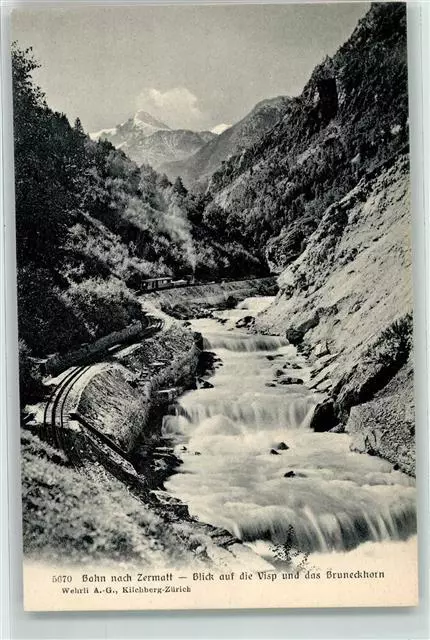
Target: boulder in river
x: 204, y: 384
x: 324, y: 417
x: 274, y: 452
x: 289, y: 380
x: 289, y: 474
x: 245, y: 322
x: 282, y: 446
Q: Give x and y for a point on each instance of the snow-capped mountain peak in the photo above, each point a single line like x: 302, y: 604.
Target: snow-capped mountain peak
x: 147, y: 122
x: 220, y: 128
x: 145, y: 139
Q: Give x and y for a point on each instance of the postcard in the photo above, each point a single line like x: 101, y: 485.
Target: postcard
x: 214, y: 266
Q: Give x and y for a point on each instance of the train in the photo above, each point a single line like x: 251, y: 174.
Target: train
x: 164, y: 282
x: 167, y: 282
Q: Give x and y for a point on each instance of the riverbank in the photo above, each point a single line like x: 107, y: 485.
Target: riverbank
x: 236, y: 459
x: 346, y: 302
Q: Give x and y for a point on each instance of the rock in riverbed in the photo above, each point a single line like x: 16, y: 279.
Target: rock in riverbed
x: 289, y: 380
x: 291, y: 365
x: 245, y: 322
x: 324, y: 417
x: 204, y: 384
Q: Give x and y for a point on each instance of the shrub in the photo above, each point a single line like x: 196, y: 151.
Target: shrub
x: 103, y: 305
x: 393, y: 346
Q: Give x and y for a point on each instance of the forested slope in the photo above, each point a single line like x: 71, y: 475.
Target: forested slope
x: 91, y: 225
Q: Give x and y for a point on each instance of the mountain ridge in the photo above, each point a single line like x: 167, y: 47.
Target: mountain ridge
x: 147, y: 140
x: 197, y: 169
x: 351, y: 117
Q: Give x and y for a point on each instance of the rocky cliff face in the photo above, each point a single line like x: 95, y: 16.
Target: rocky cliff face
x: 346, y: 301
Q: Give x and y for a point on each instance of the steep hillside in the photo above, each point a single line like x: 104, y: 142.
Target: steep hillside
x: 351, y: 116
x: 199, y: 167
x: 91, y: 225
x: 146, y: 140
x: 347, y: 302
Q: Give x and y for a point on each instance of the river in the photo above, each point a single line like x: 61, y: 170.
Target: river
x: 252, y: 465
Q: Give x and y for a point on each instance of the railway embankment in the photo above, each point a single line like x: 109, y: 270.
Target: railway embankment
x: 94, y: 505
x: 197, y: 300
x: 100, y: 506
x: 122, y: 401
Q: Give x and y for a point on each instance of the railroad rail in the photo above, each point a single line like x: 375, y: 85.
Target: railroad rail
x: 56, y: 412
x: 55, y: 430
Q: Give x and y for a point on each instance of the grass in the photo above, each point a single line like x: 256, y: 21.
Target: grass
x: 68, y: 515
x: 380, y: 362
x: 394, y: 344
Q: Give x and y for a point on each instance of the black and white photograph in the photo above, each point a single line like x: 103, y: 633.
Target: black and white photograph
x: 215, y: 306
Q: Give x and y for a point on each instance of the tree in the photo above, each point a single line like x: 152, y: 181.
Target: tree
x: 179, y: 188
x: 45, y: 203
x: 78, y: 126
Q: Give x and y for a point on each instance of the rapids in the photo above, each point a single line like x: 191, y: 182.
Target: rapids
x: 238, y: 439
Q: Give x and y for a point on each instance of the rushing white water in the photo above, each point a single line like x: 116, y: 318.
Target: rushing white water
x: 333, y: 499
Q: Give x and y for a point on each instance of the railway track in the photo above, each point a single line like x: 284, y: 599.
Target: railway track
x: 56, y: 412
x: 57, y: 432
x: 157, y: 284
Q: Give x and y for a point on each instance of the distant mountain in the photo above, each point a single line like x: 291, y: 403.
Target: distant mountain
x: 147, y: 140
x: 220, y: 128
x: 141, y: 125
x: 231, y: 140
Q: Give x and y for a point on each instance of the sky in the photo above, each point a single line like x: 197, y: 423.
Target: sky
x: 189, y: 66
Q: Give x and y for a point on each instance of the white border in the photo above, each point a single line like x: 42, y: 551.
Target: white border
x: 311, y: 623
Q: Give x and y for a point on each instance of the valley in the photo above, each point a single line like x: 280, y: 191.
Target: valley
x: 271, y: 403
